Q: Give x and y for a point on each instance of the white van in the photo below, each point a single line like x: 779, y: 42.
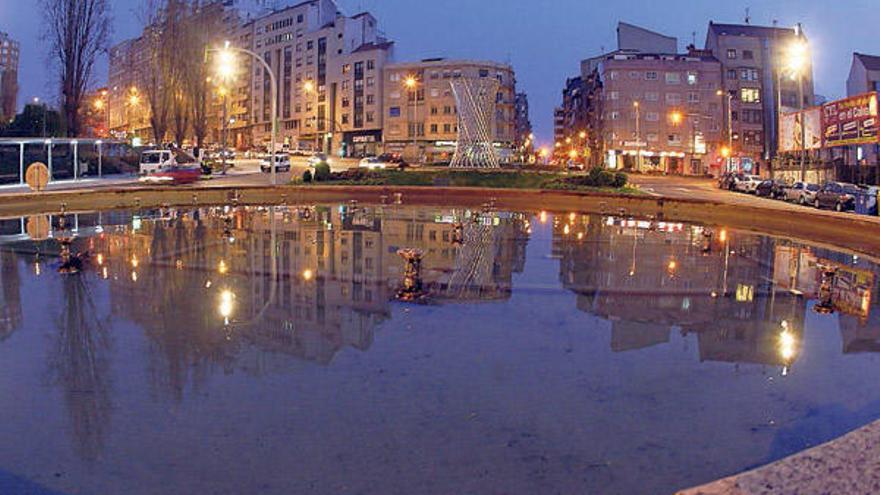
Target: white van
x: 153, y: 161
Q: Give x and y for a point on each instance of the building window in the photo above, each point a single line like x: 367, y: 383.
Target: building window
x: 346, y: 68
x: 484, y: 72
x: 652, y: 117
x: 692, y: 78
x: 674, y: 139
x: 615, y: 115
x: 345, y: 102
x: 673, y: 98
x: 748, y: 55
x: 394, y: 112
x: 693, y: 98
x: 613, y: 95
x: 731, y: 54
x: 652, y: 137
x: 750, y: 95
x: 371, y: 99
x: 635, y: 75
x: 612, y: 75
x: 651, y: 75
x: 395, y: 95
x: 652, y: 96
x: 433, y: 128
x: 394, y: 77
x: 749, y: 74
x: 447, y: 128
x: 673, y: 78
x: 371, y: 64
x: 370, y: 117
x: 345, y: 118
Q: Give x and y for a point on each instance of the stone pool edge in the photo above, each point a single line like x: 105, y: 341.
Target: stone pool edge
x: 847, y: 464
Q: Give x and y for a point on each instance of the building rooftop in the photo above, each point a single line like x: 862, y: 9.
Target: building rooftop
x: 374, y: 46
x: 871, y: 62
x: 749, y: 30
x: 440, y: 62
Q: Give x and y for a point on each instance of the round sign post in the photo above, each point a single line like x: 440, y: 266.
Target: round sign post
x: 37, y: 176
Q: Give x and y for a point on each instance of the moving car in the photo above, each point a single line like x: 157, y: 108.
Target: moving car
x: 372, y: 163
x: 317, y: 159
x: 393, y: 160
x: 747, y: 183
x: 154, y: 160
x: 802, y: 193
x: 282, y: 163
x: 837, y: 195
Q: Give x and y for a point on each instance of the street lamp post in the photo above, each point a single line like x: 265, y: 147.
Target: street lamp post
x: 729, y: 96
x: 45, y: 112
x: 638, y: 136
x: 797, y: 61
x: 226, y: 70
x: 411, y: 82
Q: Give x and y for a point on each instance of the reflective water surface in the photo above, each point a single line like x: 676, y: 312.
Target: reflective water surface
x: 267, y: 350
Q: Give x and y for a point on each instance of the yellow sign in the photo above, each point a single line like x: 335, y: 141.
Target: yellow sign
x: 37, y: 227
x: 37, y: 176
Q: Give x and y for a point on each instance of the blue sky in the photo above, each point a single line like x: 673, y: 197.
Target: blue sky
x: 543, y: 39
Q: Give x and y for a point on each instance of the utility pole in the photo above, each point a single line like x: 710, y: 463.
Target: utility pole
x: 638, y: 136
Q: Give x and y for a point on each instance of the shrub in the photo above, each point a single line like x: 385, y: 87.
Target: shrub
x: 599, y: 177
x: 620, y: 180
x: 307, y: 176
x: 322, y: 172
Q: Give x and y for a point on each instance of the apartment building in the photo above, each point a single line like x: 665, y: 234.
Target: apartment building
x: 754, y: 62
x: 523, y: 122
x: 329, y: 72
x: 864, y: 74
x: 421, y: 120
x: 9, y: 57
x: 661, y: 112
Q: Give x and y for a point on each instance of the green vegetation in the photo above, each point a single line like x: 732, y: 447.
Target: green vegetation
x: 596, y: 179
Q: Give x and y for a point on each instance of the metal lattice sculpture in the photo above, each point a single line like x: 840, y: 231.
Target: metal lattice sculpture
x: 475, y: 99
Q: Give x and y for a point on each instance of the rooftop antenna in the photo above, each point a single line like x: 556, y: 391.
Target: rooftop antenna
x: 694, y: 38
x: 748, y: 15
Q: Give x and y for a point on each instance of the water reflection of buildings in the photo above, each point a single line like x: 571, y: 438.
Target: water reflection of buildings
x: 325, y: 286
x: 650, y: 277
x: 10, y: 295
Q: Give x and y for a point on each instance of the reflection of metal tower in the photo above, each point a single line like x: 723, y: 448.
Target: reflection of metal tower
x: 475, y: 99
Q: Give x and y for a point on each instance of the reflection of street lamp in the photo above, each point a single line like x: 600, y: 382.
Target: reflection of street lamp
x: 226, y: 69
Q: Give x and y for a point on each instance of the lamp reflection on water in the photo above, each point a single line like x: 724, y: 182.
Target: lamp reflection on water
x: 226, y: 305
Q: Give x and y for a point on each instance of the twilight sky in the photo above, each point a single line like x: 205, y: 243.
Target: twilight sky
x: 543, y: 39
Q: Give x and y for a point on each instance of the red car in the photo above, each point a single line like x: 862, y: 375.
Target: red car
x: 175, y: 174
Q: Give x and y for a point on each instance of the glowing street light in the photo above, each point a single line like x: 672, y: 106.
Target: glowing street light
x: 797, y: 57
x: 676, y: 117
x: 410, y: 82
x: 309, y: 86
x: 226, y: 66
x: 583, y: 135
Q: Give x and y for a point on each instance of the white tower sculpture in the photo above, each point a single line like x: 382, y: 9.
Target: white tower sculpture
x: 475, y: 98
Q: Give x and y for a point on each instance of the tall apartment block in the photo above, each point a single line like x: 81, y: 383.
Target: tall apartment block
x: 329, y: 72
x: 9, y: 56
x: 753, y: 64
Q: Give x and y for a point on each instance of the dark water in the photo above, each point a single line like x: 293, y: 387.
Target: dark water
x: 233, y: 351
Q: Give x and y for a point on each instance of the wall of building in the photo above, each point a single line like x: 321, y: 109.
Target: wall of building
x: 9, y: 59
x: 677, y: 124
x: 424, y: 122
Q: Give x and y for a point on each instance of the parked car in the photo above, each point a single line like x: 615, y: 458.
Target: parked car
x: 728, y: 180
x: 771, y: 188
x: 802, y: 193
x: 837, y: 195
x: 317, y: 159
x: 154, y: 160
x: 282, y: 163
x: 871, y: 202
x: 747, y: 183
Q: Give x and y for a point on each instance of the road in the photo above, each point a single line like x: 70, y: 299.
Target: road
x: 707, y: 190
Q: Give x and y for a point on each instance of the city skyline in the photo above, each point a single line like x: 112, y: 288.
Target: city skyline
x: 495, y: 31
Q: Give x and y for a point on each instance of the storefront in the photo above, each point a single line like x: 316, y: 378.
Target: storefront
x: 359, y: 144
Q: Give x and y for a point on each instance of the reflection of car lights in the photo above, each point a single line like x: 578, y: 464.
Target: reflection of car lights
x: 226, y: 304
x: 786, y: 345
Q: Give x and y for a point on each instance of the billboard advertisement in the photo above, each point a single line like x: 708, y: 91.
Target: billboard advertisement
x: 790, y: 132
x: 850, y: 121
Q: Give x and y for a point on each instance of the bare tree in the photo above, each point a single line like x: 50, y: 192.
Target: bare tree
x: 78, y: 31
x: 205, y: 23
